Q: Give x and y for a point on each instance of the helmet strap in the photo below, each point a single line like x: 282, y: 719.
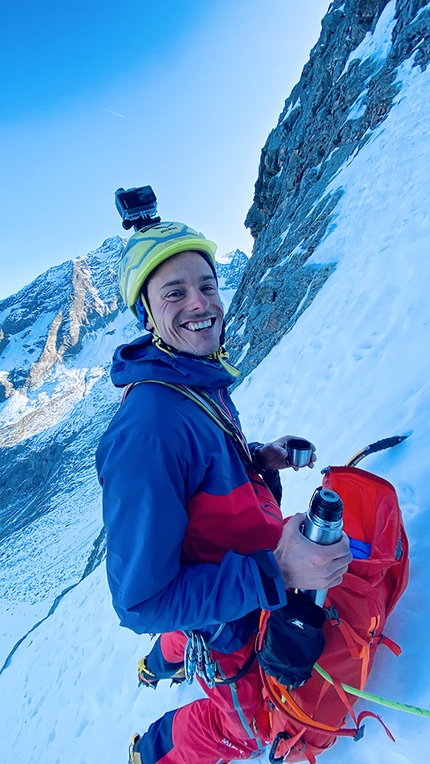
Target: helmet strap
x: 144, y: 312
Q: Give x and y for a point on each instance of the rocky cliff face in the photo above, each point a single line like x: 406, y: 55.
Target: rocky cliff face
x: 46, y: 322
x: 346, y: 90
x: 57, y: 335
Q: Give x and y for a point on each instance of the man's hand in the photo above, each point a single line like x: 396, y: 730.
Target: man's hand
x: 307, y: 565
x: 273, y: 456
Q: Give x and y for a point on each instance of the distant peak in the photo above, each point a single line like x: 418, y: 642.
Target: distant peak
x: 110, y: 246
x: 228, y: 257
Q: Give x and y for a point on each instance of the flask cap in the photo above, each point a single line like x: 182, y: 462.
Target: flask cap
x: 327, y: 505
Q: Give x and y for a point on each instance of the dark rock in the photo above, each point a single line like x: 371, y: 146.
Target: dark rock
x: 328, y: 117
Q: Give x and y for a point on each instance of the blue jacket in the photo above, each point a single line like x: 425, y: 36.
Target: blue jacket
x: 186, y: 527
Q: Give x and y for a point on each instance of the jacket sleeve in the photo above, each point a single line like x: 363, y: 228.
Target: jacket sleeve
x: 145, y: 481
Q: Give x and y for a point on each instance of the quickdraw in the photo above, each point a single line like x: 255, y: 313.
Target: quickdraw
x: 197, y: 660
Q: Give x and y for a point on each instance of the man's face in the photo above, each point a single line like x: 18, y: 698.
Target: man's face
x: 184, y: 302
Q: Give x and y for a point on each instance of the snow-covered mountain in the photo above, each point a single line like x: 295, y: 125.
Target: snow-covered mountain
x: 352, y: 367
x: 230, y: 269
x: 58, y: 335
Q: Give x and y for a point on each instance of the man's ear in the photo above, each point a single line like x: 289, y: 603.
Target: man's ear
x: 149, y: 326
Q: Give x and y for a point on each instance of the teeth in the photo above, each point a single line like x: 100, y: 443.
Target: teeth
x: 195, y: 326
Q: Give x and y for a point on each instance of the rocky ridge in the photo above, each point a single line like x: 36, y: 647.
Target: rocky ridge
x: 346, y: 90
x: 47, y: 320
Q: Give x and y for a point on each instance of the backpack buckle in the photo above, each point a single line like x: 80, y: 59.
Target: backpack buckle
x: 333, y: 615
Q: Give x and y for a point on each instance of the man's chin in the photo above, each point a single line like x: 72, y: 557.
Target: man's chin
x: 201, y: 351
x: 198, y: 345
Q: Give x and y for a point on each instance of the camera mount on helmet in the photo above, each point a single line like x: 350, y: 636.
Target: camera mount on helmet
x: 137, y: 207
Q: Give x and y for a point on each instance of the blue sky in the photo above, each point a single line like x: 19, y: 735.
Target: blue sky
x: 180, y: 94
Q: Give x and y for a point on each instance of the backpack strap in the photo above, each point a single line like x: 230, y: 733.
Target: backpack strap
x: 211, y: 408
x: 359, y: 647
x: 393, y: 646
x: 284, y: 702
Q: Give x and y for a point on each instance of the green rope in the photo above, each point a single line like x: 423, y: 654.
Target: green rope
x: 374, y: 698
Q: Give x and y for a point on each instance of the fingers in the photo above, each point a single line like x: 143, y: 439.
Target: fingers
x: 340, y: 550
x: 333, y: 572
x: 276, y: 456
x: 307, y: 565
x: 298, y: 452
x: 295, y: 522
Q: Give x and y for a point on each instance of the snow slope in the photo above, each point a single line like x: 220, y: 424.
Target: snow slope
x: 354, y: 369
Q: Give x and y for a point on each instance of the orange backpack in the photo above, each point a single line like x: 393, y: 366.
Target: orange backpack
x: 300, y: 723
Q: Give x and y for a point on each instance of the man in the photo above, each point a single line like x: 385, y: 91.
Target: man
x: 196, y: 544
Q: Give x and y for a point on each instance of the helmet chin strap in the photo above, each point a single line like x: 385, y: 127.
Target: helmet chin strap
x: 144, y: 312
x: 221, y: 355
x: 149, y: 314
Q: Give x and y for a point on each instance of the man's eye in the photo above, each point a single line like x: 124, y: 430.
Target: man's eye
x: 175, y: 295
x: 209, y: 288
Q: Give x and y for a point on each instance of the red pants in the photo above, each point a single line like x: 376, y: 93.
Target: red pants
x: 216, y: 729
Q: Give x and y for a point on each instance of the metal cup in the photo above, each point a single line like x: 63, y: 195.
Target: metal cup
x: 299, y: 452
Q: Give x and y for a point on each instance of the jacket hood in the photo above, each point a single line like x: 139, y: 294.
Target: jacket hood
x: 141, y: 359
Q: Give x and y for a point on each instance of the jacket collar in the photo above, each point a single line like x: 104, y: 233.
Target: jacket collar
x: 142, y: 359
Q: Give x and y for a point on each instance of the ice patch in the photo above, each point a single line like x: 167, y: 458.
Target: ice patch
x: 376, y: 44
x: 30, y: 337
x: 264, y: 277
x: 296, y: 251
x: 290, y: 109
x: 240, y: 332
x: 283, y: 236
x: 242, y: 355
x: 358, y: 108
x: 421, y: 11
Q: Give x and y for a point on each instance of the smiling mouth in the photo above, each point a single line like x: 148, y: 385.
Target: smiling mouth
x: 199, y: 326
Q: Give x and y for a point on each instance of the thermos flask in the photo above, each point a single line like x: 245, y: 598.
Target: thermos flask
x: 323, y: 525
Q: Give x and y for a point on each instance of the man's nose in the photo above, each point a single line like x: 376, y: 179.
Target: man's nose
x: 197, y: 300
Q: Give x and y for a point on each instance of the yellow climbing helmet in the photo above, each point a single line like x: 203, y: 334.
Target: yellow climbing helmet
x: 149, y: 247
